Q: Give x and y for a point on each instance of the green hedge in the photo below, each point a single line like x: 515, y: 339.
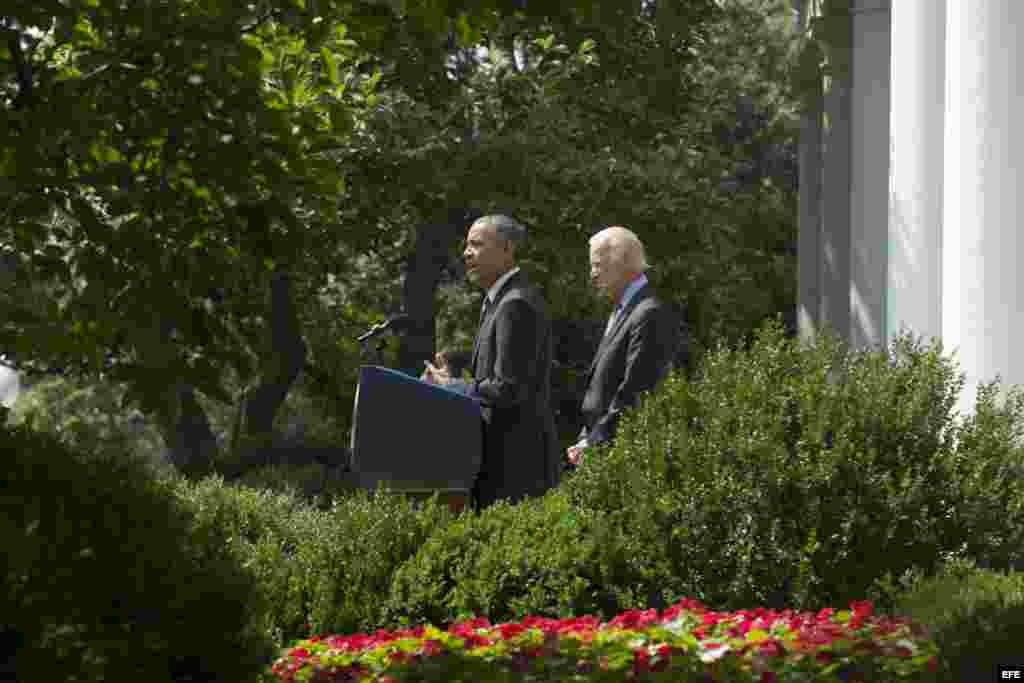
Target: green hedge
x: 976, y: 617
x: 541, y: 557
x: 798, y: 475
x: 103, y: 579
x: 320, y: 570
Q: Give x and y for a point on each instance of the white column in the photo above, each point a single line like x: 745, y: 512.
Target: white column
x: 869, y: 169
x: 9, y: 386
x: 834, y: 238
x: 982, y: 255
x: 914, y: 286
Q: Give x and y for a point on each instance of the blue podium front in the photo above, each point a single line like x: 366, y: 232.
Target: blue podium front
x: 410, y: 436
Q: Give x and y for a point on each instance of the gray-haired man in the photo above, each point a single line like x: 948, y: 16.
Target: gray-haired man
x: 511, y: 368
x: 640, y: 341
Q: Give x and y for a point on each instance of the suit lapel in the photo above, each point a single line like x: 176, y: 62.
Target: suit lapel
x: 641, y: 294
x: 487, y: 318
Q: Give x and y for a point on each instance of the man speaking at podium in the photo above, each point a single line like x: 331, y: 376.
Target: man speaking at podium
x: 511, y: 369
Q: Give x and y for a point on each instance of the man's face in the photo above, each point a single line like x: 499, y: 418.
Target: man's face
x: 486, y: 256
x: 606, y: 274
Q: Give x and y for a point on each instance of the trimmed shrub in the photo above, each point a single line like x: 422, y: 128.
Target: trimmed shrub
x: 318, y: 570
x: 541, y: 556
x: 797, y: 475
x: 318, y: 484
x: 976, y: 617
x: 87, y: 416
x: 104, y: 581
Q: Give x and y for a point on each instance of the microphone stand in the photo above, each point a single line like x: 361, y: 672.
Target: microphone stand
x: 372, y: 353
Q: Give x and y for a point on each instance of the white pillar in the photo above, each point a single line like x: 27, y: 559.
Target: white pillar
x: 982, y: 255
x: 914, y: 296
x: 834, y: 237
x: 9, y: 386
x: 869, y: 164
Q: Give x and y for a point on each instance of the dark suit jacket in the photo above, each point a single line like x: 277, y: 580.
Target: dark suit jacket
x: 511, y: 367
x: 632, y: 358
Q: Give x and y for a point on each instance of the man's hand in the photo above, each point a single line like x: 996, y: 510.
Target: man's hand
x: 435, y: 375
x: 574, y: 453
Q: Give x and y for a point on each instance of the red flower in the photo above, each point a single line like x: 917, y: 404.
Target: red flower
x: 635, y: 618
x: 543, y: 623
x: 825, y: 657
x: 712, y: 618
x: 584, y: 623
x: 469, y: 625
x: 641, y: 660
x: 476, y: 640
x: 298, y: 652
x: 768, y: 677
x: 862, y: 608
x: 771, y: 648
x: 510, y: 630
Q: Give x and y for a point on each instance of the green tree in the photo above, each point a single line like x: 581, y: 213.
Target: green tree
x: 679, y: 125
x: 165, y: 171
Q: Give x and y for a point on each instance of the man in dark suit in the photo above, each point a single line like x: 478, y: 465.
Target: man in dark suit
x: 640, y: 340
x: 511, y: 367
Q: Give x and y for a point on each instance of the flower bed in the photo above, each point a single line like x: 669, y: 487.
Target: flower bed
x: 686, y: 642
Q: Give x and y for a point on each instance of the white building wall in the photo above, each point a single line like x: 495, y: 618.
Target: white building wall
x: 983, y: 207
x: 869, y: 163
x: 914, y: 284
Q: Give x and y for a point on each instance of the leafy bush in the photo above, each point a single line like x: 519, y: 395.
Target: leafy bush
x: 87, y: 416
x: 104, y: 581
x: 540, y: 557
x: 315, y: 483
x: 798, y: 475
x: 976, y: 617
x: 319, y: 570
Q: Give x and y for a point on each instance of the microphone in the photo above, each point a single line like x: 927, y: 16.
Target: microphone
x: 396, y: 323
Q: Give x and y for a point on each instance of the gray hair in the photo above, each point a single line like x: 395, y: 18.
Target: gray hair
x: 504, y: 227
x: 624, y: 246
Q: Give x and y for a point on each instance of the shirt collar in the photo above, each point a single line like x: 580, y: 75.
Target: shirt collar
x: 631, y: 289
x: 499, y: 283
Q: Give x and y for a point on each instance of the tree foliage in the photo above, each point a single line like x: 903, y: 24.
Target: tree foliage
x: 182, y: 180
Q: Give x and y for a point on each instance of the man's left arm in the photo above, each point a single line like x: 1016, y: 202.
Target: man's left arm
x: 652, y: 346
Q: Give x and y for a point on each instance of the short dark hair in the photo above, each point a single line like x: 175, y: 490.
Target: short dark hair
x: 504, y: 226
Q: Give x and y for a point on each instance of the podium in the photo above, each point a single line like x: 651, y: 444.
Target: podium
x: 415, y: 438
